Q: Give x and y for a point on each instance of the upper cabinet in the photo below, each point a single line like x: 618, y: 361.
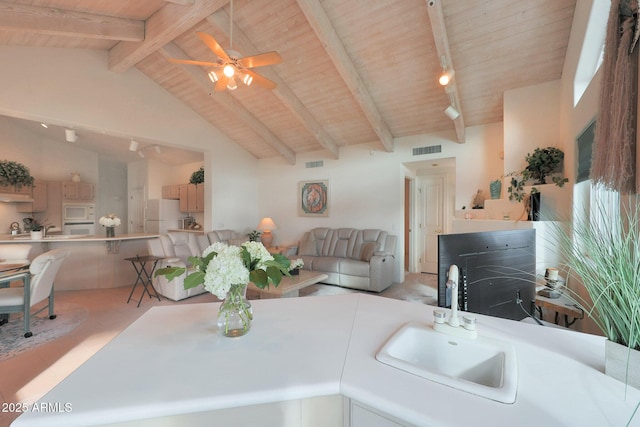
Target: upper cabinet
x: 39, y: 195
x: 191, y: 198
x: 171, y: 192
x: 78, y: 191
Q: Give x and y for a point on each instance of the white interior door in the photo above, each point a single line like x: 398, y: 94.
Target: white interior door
x: 431, y: 192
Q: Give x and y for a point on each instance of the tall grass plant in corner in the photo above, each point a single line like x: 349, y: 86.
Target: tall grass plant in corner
x: 602, y: 251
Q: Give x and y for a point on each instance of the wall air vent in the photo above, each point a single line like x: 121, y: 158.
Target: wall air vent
x: 431, y: 149
x: 316, y: 164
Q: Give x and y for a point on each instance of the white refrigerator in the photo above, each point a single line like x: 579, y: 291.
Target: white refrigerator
x: 161, y: 215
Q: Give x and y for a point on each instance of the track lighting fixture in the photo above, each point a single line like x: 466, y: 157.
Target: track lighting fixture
x: 70, y: 135
x: 133, y: 145
x: 451, y: 112
x: 158, y: 149
x: 445, y: 77
x: 140, y: 154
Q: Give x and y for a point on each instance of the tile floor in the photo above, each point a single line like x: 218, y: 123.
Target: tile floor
x: 27, y: 377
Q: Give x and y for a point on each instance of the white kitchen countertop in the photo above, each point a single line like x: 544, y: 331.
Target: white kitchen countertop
x: 171, y: 361
x: 26, y: 238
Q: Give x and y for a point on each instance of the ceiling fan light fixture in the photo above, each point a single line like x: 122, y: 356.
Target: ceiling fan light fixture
x: 231, y: 84
x: 247, y: 79
x: 229, y: 70
x: 213, y: 76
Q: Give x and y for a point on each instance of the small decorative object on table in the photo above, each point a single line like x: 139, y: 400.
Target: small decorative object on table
x: 226, y: 271
x: 295, y: 266
x: 110, y: 222
x: 254, y: 236
x: 495, y: 187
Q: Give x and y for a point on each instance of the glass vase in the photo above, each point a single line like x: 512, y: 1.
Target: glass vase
x: 111, y: 231
x: 235, y: 313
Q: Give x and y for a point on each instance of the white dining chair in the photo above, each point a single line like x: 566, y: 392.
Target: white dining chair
x: 38, y: 287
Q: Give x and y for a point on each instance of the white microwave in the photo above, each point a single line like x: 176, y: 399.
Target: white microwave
x: 78, y: 212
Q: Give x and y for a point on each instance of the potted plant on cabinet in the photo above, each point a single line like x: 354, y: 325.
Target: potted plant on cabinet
x: 14, y: 174
x: 604, y: 254
x: 197, y: 177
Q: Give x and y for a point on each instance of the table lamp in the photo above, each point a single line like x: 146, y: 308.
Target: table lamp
x: 266, y: 225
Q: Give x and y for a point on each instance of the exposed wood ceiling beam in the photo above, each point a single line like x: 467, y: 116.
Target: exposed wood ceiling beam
x: 241, y: 42
x: 199, y: 76
x: 436, y: 17
x: 46, y: 20
x: 161, y: 28
x: 181, y: 2
x: 323, y: 28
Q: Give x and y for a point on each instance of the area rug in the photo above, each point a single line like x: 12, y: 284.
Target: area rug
x: 418, y: 288
x: 13, y: 342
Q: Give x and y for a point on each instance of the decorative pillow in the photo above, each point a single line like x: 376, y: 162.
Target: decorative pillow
x: 368, y: 250
x: 308, y: 246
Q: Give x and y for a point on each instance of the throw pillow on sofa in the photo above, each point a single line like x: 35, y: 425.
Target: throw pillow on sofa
x: 368, y: 249
x: 308, y: 246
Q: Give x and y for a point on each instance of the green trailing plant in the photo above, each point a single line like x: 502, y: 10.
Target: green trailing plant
x: 15, y: 174
x: 198, y: 176
x: 542, y: 163
x: 605, y: 257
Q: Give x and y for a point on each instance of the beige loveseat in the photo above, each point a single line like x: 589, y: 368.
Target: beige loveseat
x: 357, y: 259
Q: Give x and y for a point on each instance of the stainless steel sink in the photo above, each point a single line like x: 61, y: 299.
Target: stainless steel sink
x: 481, y: 366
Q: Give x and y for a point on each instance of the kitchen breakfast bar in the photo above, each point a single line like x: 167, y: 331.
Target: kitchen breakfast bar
x: 94, y: 261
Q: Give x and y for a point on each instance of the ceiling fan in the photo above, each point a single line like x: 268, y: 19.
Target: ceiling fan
x: 231, y: 66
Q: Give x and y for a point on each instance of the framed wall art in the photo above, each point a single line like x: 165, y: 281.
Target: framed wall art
x: 313, y: 198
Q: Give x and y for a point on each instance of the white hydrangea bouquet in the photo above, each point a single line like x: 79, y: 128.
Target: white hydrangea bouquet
x: 110, y: 220
x: 226, y: 271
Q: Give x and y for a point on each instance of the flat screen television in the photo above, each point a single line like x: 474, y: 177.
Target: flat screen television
x: 497, y: 271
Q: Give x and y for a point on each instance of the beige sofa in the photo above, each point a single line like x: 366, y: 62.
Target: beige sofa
x: 357, y: 259
x: 175, y: 248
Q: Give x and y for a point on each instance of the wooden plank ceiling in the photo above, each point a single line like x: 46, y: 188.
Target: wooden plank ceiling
x: 352, y: 72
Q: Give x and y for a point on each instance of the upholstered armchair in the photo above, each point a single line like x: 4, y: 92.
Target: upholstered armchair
x: 174, y: 248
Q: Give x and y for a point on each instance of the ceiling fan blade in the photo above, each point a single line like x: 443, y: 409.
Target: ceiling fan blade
x: 213, y: 45
x: 261, y: 81
x: 221, y: 84
x: 260, y: 60
x: 192, y: 62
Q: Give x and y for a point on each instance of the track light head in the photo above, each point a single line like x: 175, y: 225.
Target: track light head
x: 451, y: 112
x: 133, y: 145
x: 70, y: 135
x: 446, y: 77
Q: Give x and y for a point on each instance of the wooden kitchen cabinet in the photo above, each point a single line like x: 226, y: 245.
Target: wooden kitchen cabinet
x: 39, y: 195
x: 192, y: 198
x: 78, y: 191
x: 171, y: 192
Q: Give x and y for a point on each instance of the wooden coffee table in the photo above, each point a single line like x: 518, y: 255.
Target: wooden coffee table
x: 290, y: 286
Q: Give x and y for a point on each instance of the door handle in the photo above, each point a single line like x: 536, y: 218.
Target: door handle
x: 438, y: 231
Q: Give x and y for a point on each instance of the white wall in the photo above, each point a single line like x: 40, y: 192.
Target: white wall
x: 366, y: 186
x: 73, y: 87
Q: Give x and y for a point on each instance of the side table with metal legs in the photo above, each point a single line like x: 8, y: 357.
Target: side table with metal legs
x: 144, y: 277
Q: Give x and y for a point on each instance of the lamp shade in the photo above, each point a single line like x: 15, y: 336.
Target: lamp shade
x: 267, y: 224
